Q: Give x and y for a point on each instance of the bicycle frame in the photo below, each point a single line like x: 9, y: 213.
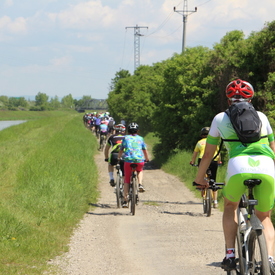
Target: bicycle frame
x: 250, y: 235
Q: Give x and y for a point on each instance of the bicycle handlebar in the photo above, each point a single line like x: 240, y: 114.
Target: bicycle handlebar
x: 212, y: 185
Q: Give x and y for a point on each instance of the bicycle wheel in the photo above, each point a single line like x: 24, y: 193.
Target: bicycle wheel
x: 208, y: 202
x: 118, y: 191
x: 204, y: 206
x: 133, y: 196
x: 258, y: 253
x: 241, y: 254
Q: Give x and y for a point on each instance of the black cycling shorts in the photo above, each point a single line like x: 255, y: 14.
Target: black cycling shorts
x: 114, y: 161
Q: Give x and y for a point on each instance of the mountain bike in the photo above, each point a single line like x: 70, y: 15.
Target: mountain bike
x: 119, y: 186
x: 207, y: 194
x: 133, y: 192
x: 251, y: 243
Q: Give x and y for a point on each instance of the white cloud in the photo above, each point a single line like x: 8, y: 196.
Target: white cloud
x: 64, y: 61
x: 19, y: 25
x: 86, y: 15
x: 8, y: 3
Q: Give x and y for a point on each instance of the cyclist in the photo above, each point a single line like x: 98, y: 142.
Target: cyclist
x: 97, y: 124
x: 114, y: 142
x: 239, y: 169
x: 111, y: 126
x: 134, y: 150
x: 103, y: 129
x: 198, y: 152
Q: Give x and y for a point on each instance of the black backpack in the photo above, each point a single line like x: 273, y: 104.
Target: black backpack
x: 245, y: 121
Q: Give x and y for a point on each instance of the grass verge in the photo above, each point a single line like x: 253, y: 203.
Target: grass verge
x: 48, y: 179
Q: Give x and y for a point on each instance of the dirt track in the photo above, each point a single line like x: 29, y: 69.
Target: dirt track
x: 168, y: 235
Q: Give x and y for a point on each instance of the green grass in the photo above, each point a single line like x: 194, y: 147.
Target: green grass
x: 30, y: 115
x: 48, y: 179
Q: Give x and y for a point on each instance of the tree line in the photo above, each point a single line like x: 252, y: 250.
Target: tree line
x: 43, y: 102
x: 176, y: 97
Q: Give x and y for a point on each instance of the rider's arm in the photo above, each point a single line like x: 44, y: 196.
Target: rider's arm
x: 120, y: 153
x: 204, y: 164
x: 272, y: 145
x: 145, y: 154
x: 106, y: 151
x: 194, y: 156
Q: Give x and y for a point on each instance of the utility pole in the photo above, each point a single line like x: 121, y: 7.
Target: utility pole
x: 137, y: 36
x: 185, y: 12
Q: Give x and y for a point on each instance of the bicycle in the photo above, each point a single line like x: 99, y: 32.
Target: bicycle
x: 102, y: 143
x: 133, y: 192
x: 119, y: 186
x: 251, y: 243
x: 207, y: 194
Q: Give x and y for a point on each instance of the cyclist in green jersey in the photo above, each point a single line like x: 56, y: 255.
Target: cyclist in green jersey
x: 246, y: 161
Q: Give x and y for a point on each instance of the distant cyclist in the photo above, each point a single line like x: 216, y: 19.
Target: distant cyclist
x: 134, y: 150
x: 198, y: 152
x: 246, y: 161
x: 114, y: 142
x: 103, y: 129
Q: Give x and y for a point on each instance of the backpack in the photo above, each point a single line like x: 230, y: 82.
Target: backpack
x: 245, y: 121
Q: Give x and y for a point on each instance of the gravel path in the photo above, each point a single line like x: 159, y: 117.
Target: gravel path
x: 168, y: 235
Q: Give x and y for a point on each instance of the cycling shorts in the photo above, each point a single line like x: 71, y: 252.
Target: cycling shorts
x: 251, y: 167
x: 128, y: 170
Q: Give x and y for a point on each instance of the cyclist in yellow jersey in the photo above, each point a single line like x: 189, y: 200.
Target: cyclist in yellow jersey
x: 246, y: 161
x: 199, y: 151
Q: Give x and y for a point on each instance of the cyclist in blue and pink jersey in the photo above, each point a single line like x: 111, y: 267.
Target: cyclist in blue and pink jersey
x: 246, y: 161
x: 103, y: 128
x: 134, y: 150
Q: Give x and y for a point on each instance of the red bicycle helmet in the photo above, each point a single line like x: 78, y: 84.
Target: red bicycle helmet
x: 239, y: 88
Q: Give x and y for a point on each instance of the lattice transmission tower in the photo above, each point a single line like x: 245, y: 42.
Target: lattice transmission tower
x: 137, y: 36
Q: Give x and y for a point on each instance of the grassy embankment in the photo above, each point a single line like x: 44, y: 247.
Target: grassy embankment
x: 47, y: 181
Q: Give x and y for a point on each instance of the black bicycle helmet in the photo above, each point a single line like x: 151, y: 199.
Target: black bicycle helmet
x: 132, y: 127
x: 205, y: 131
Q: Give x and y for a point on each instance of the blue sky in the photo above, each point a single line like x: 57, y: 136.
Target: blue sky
x: 62, y: 47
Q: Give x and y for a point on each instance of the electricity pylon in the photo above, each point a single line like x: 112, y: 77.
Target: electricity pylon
x: 185, y: 12
x: 137, y: 36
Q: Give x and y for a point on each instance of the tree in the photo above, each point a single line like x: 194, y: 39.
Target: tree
x: 41, y: 99
x: 67, y: 101
x: 4, y: 99
x: 54, y: 103
x: 119, y: 75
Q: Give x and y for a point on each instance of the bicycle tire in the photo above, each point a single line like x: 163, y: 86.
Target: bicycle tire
x: 204, y: 206
x: 208, y: 202
x: 133, y: 196
x: 118, y: 192
x: 258, y: 255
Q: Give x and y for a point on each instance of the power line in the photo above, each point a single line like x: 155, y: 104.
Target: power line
x: 185, y: 12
